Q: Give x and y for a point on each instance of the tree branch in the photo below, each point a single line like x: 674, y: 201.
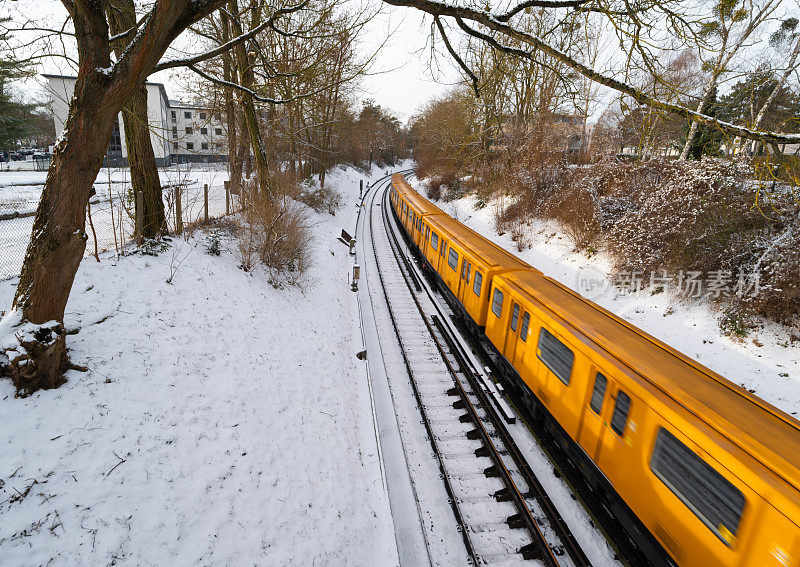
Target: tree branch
x: 189, y: 61
x: 458, y: 59
x: 487, y: 19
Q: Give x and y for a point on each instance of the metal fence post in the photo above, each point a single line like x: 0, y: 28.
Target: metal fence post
x: 178, y: 214
x: 139, y: 217
x: 227, y: 197
x: 205, y: 202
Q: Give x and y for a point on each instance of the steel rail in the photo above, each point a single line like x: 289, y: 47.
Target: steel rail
x: 539, y: 548
x: 426, y: 421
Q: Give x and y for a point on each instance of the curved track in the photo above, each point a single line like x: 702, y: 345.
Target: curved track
x: 503, y: 514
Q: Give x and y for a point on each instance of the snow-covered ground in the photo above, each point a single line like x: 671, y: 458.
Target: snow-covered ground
x: 766, y: 362
x: 222, y: 421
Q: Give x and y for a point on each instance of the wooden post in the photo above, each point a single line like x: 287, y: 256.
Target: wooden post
x: 227, y: 197
x: 205, y: 202
x: 139, y: 217
x: 360, y: 188
x: 178, y: 213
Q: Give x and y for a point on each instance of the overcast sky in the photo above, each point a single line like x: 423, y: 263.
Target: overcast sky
x: 404, y: 81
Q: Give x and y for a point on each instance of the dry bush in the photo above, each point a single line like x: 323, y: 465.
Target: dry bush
x: 679, y: 214
x: 275, y: 229
x: 434, y: 189
x: 576, y: 208
x: 320, y: 199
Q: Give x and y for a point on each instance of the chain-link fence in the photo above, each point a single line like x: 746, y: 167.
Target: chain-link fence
x: 111, y: 219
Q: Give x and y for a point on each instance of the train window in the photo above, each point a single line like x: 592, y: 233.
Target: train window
x: 515, y: 317
x: 452, y: 259
x: 497, y: 302
x: 526, y: 322
x: 444, y: 248
x: 556, y: 355
x: 476, y: 285
x: 466, y: 267
x: 708, y: 494
x: 598, y: 392
x: 434, y: 241
x: 620, y: 416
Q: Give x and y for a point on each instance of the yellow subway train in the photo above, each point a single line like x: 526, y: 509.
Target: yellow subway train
x: 694, y: 469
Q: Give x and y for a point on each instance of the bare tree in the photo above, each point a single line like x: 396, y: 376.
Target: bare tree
x: 637, y: 25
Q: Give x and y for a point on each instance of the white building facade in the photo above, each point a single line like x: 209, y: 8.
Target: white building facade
x: 196, y: 134
x: 179, y: 133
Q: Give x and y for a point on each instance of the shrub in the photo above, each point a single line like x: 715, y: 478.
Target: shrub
x: 276, y: 230
x: 320, y: 199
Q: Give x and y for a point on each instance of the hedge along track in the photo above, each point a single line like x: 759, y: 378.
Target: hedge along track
x: 502, y: 512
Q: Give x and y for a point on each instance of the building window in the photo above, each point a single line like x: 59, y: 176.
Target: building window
x: 187, y: 115
x: 218, y: 131
x: 173, y: 116
x: 202, y: 116
x: 175, y: 132
x: 188, y: 129
x: 204, y: 131
x: 175, y: 146
x: 204, y: 145
x: 190, y: 146
x: 115, y: 143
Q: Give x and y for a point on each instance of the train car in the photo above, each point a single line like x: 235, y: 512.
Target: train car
x: 414, y: 208
x: 467, y: 270
x: 697, y: 470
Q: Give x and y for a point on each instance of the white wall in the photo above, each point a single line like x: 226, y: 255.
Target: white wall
x: 62, y: 88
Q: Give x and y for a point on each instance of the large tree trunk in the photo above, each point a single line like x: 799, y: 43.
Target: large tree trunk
x: 235, y: 157
x: 142, y: 160
x: 58, y: 239
x: 246, y: 76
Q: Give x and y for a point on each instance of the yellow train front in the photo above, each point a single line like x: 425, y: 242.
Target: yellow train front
x: 697, y: 471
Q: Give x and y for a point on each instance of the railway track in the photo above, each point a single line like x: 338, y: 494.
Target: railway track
x: 503, y: 514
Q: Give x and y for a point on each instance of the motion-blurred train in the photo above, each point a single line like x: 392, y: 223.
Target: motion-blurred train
x: 697, y: 470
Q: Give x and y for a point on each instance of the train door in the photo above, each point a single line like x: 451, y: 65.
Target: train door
x: 463, y: 285
x: 426, y: 233
x: 433, y: 249
x: 615, y: 453
x: 592, y: 424
x: 522, y: 342
x: 512, y: 333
